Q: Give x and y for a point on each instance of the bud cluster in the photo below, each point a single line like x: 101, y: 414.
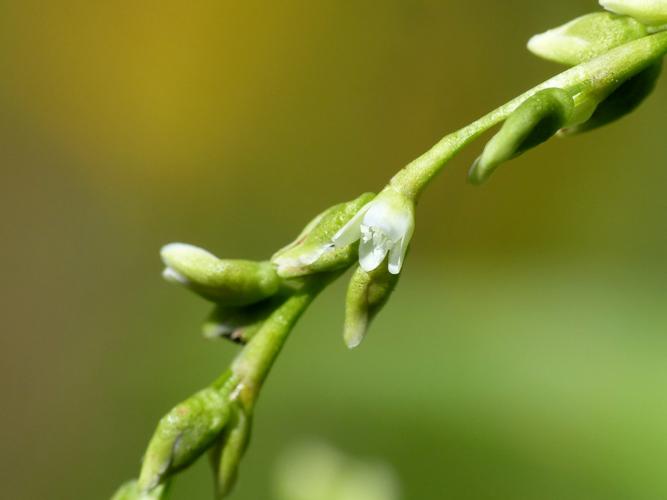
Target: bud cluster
x: 252, y: 305
x: 567, y: 111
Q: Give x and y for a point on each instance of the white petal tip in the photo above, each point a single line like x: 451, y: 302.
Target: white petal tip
x: 174, y: 276
x: 174, y: 253
x: 394, y: 269
x: 171, y: 249
x: 356, y: 327
x: 369, y: 266
x: 371, y: 257
x: 354, y: 339
x: 353, y: 344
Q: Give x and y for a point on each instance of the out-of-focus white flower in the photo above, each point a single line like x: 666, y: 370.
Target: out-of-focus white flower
x: 314, y: 470
x: 646, y: 11
x: 384, y: 226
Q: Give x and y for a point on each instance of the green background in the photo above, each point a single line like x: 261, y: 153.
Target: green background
x: 524, y: 354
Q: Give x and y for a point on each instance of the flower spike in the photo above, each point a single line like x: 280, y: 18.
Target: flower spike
x: 258, y: 303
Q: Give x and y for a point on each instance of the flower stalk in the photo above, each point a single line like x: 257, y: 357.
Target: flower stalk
x: 257, y: 304
x: 595, y: 78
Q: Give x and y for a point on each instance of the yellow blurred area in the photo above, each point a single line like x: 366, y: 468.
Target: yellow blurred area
x: 523, y: 354
x: 147, y: 86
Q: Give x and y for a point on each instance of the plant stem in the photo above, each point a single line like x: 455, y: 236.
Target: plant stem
x: 595, y: 78
x: 253, y: 363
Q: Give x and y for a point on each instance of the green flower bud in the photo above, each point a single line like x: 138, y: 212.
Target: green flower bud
x: 647, y: 11
x: 299, y: 240
x: 586, y: 37
x: 239, y: 324
x: 367, y: 293
x: 532, y: 123
x: 622, y: 101
x: 226, y: 455
x: 186, y: 432
x: 228, y: 282
x: 312, y: 251
x: 131, y: 491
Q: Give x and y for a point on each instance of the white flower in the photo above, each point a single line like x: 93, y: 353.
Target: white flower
x: 384, y: 226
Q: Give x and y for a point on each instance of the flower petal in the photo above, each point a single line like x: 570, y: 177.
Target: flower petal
x: 370, y: 254
x: 351, y: 231
x: 173, y: 276
x: 312, y: 256
x: 397, y: 255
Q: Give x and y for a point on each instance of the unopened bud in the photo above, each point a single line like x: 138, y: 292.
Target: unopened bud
x: 227, y: 454
x: 586, y: 37
x: 367, y: 293
x: 652, y: 12
x: 239, y: 324
x: 226, y: 281
x: 625, y: 99
x: 186, y: 432
x: 312, y: 251
x: 532, y: 123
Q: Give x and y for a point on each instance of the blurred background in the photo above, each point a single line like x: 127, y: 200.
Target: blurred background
x: 524, y: 353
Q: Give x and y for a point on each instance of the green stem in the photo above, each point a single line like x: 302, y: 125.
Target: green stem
x: 596, y: 77
x: 253, y: 363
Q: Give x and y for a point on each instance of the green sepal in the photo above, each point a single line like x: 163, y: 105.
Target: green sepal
x: 367, y: 293
x: 622, y: 101
x: 304, y: 232
x: 229, y: 282
x: 532, y: 123
x: 239, y: 324
x: 652, y: 12
x: 226, y: 455
x: 131, y: 491
x: 586, y: 37
x: 186, y: 432
x: 312, y: 251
